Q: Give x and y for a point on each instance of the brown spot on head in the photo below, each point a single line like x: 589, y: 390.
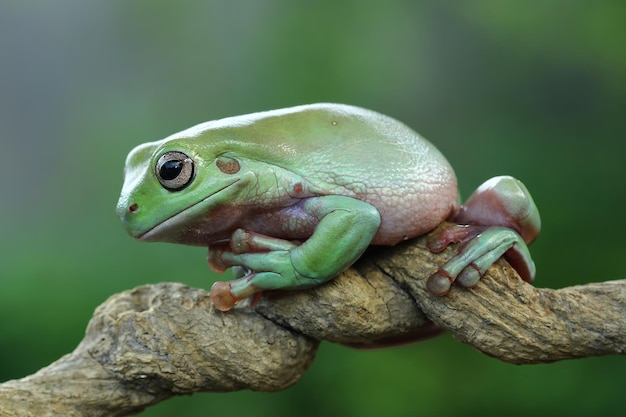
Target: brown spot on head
x: 227, y: 165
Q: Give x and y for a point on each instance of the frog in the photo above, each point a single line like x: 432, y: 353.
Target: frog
x: 290, y: 198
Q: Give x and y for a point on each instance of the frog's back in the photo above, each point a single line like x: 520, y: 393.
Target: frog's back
x: 351, y: 151
x: 390, y: 166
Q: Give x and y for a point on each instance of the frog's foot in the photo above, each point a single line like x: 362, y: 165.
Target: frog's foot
x: 499, y: 219
x: 243, y: 247
x: 480, y: 247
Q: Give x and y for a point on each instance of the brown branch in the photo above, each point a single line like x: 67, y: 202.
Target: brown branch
x: 515, y: 322
x: 147, y: 344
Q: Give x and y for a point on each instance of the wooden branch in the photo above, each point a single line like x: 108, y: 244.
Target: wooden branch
x: 147, y: 344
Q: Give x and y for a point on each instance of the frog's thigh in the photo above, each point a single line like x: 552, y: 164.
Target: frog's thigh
x: 503, y: 201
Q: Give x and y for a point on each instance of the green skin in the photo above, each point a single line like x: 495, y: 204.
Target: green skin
x: 293, y: 197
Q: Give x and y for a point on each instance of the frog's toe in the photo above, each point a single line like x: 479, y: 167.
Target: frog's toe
x: 444, y: 235
x: 470, y: 276
x: 439, y: 283
x: 240, y: 271
x: 245, y: 241
x: 240, y: 241
x: 221, y: 296
x: 214, y: 258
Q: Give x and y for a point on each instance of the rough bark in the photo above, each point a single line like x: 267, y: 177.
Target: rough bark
x: 147, y: 344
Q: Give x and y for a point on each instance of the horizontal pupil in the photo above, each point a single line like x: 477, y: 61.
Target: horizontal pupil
x: 170, y: 170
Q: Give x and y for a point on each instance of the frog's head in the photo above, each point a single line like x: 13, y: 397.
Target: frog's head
x: 172, y: 187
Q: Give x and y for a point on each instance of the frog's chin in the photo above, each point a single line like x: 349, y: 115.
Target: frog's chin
x: 178, y: 228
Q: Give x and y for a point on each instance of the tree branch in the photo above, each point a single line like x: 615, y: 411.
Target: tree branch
x: 147, y: 344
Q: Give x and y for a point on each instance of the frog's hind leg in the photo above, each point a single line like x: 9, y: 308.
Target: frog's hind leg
x: 499, y: 219
x: 502, y: 201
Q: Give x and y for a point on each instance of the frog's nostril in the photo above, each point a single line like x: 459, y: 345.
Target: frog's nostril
x: 133, y: 207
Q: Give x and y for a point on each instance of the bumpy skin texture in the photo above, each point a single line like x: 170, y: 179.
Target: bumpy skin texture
x: 291, y: 196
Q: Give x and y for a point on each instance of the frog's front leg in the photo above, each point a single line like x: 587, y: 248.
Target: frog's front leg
x: 499, y: 219
x: 220, y: 258
x: 344, y: 230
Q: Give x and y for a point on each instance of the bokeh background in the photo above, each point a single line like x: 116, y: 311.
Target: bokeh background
x: 532, y: 89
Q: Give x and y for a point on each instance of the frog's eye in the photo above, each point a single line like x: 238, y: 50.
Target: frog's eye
x: 174, y: 170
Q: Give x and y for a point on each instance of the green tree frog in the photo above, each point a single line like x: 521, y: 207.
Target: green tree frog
x: 290, y: 198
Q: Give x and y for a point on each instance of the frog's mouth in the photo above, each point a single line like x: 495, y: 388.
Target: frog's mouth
x: 175, y: 227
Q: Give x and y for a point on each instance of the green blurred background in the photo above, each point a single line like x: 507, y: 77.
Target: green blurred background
x: 532, y: 89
